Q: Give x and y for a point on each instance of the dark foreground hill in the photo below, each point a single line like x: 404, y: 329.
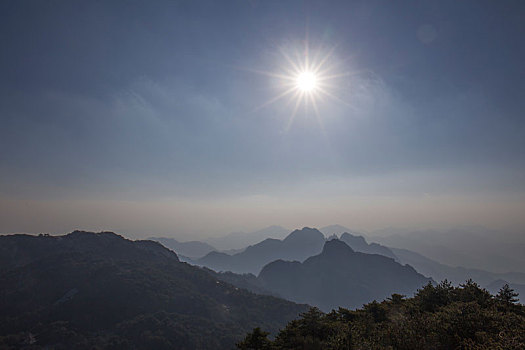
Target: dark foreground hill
x: 438, y: 317
x: 87, y: 290
x: 340, y: 276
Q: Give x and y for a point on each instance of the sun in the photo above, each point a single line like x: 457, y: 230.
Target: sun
x: 306, y: 81
x: 305, y: 78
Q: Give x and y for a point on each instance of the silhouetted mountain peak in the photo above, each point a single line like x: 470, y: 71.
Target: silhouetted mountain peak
x: 298, y: 245
x: 336, y: 247
x: 304, y: 234
x: 340, y: 276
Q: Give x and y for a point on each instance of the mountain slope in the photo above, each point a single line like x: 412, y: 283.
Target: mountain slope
x: 340, y: 276
x: 86, y: 290
x: 298, y: 245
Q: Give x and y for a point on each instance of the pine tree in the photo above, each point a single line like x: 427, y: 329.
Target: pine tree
x: 507, y: 295
x: 256, y: 340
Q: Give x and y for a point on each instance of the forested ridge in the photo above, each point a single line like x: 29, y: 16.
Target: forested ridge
x: 100, y: 291
x: 437, y: 317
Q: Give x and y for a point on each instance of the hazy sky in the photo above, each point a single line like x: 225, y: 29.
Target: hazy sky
x: 144, y: 116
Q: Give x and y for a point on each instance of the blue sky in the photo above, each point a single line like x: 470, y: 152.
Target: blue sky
x: 142, y: 116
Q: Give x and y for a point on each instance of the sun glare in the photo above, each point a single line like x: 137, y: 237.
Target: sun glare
x: 306, y: 81
x: 306, y: 77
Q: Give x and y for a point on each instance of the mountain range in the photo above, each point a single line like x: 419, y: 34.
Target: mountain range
x: 431, y: 268
x: 438, y: 271
x: 87, y: 290
x: 340, y: 277
x: 255, y: 257
x: 346, y: 276
x: 298, y: 245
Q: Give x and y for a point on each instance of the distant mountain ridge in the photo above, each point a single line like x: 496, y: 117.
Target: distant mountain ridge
x: 496, y: 285
x: 240, y: 240
x: 337, y: 230
x: 356, y: 240
x: 422, y: 264
x: 298, y: 245
x: 477, y: 248
x: 431, y: 268
x: 358, y: 243
x: 340, y: 276
x: 434, y: 269
x: 456, y: 275
x: 190, y: 249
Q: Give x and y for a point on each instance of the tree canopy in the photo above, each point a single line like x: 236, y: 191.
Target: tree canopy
x: 437, y: 317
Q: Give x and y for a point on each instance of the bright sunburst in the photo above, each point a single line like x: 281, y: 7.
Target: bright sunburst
x: 305, y: 78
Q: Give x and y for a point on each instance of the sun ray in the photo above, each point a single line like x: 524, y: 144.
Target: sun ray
x: 270, y: 74
x: 294, y: 112
x: 290, y: 61
x: 339, y: 100
x: 306, y: 54
x: 273, y: 100
x: 334, y: 97
x: 317, y: 114
x: 323, y: 77
x: 294, y: 98
x: 323, y: 61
